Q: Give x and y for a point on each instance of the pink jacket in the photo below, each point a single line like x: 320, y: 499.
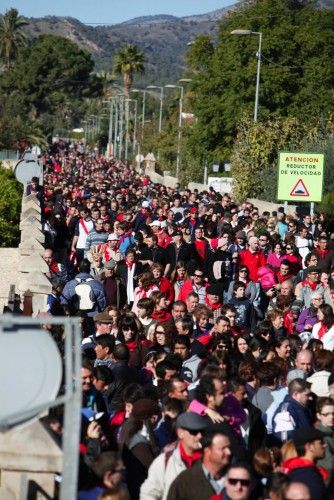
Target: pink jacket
x: 266, y: 277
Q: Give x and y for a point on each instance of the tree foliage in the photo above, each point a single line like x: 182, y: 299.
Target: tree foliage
x: 47, y: 85
x: 255, y: 152
x: 128, y: 61
x: 10, y: 207
x: 297, y: 69
x: 12, y: 36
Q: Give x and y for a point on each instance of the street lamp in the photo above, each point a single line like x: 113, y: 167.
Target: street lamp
x: 85, y: 123
x: 178, y: 154
x: 151, y: 87
x: 143, y: 110
x: 257, y: 88
x: 127, y: 127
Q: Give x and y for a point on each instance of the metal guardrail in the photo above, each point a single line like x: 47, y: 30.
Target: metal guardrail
x: 9, y: 155
x: 71, y: 399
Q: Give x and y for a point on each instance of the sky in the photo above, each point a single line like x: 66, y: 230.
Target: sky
x: 111, y: 11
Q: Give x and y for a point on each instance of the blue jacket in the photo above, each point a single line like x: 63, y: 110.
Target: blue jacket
x: 300, y: 414
x: 69, y: 296
x: 126, y: 241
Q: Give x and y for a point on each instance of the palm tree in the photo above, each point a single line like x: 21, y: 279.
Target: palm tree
x: 12, y: 36
x: 128, y: 61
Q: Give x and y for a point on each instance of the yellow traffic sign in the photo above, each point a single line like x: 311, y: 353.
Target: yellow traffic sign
x: 300, y: 176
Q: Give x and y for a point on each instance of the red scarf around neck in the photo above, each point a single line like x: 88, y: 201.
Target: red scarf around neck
x: 189, y: 459
x: 214, y: 307
x: 313, y: 286
x: 129, y: 264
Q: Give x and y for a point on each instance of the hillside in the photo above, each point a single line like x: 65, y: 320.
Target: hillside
x: 163, y: 39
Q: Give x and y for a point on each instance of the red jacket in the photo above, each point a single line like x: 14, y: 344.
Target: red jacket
x: 253, y: 261
x: 167, y: 288
x: 300, y: 462
x: 186, y: 289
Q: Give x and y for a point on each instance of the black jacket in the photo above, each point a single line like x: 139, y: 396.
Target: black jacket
x: 173, y: 255
x: 122, y: 375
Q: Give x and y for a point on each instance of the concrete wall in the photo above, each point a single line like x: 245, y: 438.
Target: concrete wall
x: 225, y: 185
x: 29, y: 458
x: 9, y: 264
x: 267, y: 206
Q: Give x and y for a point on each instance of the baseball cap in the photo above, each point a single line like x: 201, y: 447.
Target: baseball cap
x: 145, y: 204
x: 190, y: 421
x: 193, y: 210
x: 113, y: 237
x: 156, y: 223
x: 307, y: 435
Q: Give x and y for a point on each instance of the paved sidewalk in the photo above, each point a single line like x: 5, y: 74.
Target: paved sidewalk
x: 9, y: 261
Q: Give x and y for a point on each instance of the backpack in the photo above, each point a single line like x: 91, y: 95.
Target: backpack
x: 85, y: 294
x: 283, y: 423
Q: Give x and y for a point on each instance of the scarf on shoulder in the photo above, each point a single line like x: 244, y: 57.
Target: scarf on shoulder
x: 322, y: 331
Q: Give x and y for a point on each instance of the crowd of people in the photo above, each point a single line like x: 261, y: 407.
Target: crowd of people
x: 207, y: 336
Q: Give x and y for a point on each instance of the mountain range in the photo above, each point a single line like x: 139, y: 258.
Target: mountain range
x: 163, y: 39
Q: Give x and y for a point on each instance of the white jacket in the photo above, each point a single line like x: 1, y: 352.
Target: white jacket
x: 161, y: 475
x: 319, y: 381
x: 327, y: 339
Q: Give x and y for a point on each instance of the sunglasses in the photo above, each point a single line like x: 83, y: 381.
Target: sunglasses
x: 194, y: 432
x: 288, y: 248
x: 222, y: 347
x: 233, y: 481
x: 198, y: 275
x: 160, y: 331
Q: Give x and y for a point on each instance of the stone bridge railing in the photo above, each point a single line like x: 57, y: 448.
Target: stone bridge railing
x: 32, y: 282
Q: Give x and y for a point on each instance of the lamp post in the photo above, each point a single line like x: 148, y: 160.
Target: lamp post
x: 143, y: 110
x: 85, y: 129
x: 135, y: 123
x: 92, y: 120
x: 179, y: 135
x: 151, y: 87
x: 127, y: 126
x: 121, y: 124
x: 257, y: 88
x: 111, y: 125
